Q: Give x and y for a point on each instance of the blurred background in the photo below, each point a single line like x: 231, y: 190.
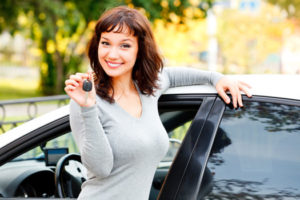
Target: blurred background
x: 42, y: 42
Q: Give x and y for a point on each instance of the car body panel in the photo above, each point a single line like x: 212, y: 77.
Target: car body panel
x: 33, y: 124
x: 282, y: 86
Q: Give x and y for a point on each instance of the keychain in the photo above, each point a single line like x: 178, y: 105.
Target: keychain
x: 87, y: 87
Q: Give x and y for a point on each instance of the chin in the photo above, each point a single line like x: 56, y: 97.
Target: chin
x: 114, y: 72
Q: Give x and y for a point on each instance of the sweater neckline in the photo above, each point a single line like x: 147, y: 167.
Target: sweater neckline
x: 142, y: 105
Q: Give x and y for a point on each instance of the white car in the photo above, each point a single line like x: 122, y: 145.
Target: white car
x: 245, y: 153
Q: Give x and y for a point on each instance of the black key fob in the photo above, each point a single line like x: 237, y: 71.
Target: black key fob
x: 87, y: 85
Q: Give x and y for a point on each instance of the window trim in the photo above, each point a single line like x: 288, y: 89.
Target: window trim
x: 180, y: 180
x: 277, y: 100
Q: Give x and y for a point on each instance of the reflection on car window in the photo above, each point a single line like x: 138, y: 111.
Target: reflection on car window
x: 176, y: 123
x: 256, y: 154
x: 65, y: 140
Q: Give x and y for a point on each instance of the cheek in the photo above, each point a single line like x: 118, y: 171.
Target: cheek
x: 132, y: 56
x: 101, y: 60
x: 101, y: 54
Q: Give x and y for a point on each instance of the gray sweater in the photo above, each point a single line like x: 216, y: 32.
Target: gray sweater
x: 121, y: 152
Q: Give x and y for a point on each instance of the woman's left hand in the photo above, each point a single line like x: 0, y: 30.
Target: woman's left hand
x: 234, y: 87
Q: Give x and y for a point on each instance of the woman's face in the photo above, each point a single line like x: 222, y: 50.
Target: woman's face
x: 117, y: 53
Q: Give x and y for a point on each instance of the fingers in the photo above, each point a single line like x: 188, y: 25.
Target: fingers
x: 69, y: 88
x: 79, y: 77
x: 239, y: 99
x: 245, y: 84
x: 245, y: 88
x: 236, y: 95
x: 223, y: 95
x: 76, y: 80
x: 235, y: 88
x: 71, y: 82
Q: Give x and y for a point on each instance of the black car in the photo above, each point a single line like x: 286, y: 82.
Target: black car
x: 216, y: 151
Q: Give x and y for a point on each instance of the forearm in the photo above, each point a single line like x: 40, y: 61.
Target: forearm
x: 183, y: 76
x: 95, y: 150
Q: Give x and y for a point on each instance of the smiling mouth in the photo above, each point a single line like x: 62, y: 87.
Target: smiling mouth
x: 113, y: 64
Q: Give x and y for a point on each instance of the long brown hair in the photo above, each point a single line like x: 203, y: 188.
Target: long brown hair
x: 149, y: 61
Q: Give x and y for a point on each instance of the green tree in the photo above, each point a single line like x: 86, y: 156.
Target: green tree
x: 58, y: 28
x: 61, y: 29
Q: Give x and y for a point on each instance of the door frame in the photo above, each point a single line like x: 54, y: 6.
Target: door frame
x: 186, y: 172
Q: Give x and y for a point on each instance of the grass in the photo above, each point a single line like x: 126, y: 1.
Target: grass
x: 18, y: 89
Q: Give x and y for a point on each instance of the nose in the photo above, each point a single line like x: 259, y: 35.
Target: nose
x: 113, y: 53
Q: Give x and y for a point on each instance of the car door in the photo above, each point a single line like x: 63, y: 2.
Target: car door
x: 255, y: 154
x: 188, y: 168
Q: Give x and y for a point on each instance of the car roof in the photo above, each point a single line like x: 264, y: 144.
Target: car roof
x: 282, y: 86
x: 275, y: 85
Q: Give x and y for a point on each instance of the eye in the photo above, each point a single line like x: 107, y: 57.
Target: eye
x: 125, y: 46
x: 104, y: 43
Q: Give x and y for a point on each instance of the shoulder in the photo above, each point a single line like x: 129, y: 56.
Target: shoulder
x: 163, y: 80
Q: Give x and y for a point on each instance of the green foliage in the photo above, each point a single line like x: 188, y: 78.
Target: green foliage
x: 61, y: 29
x: 180, y: 132
x: 8, y: 14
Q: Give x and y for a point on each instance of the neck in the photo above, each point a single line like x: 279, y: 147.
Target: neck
x: 122, y: 86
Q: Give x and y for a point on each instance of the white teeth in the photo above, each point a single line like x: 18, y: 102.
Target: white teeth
x: 113, y: 64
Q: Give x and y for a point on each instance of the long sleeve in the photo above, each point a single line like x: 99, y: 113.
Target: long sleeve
x: 95, y: 150
x: 183, y: 76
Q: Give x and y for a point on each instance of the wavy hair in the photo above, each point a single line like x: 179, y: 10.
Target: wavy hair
x: 149, y: 61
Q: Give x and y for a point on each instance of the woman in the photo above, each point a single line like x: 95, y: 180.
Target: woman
x: 118, y: 129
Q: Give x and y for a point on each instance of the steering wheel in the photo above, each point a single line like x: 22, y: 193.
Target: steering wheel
x: 69, y: 176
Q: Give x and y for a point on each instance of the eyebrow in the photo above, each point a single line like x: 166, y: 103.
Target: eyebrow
x: 127, y: 39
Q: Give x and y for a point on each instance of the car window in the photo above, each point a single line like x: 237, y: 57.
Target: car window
x: 255, y: 154
x: 176, y: 123
x: 63, y: 141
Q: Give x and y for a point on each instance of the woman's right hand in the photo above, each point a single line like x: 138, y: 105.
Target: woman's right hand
x: 74, y: 89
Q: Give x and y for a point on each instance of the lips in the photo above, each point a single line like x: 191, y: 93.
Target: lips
x: 113, y: 64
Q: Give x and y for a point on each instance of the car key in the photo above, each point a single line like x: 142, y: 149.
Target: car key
x: 87, y: 87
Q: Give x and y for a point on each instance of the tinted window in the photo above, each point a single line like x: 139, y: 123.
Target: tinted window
x: 176, y: 123
x: 256, y: 154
